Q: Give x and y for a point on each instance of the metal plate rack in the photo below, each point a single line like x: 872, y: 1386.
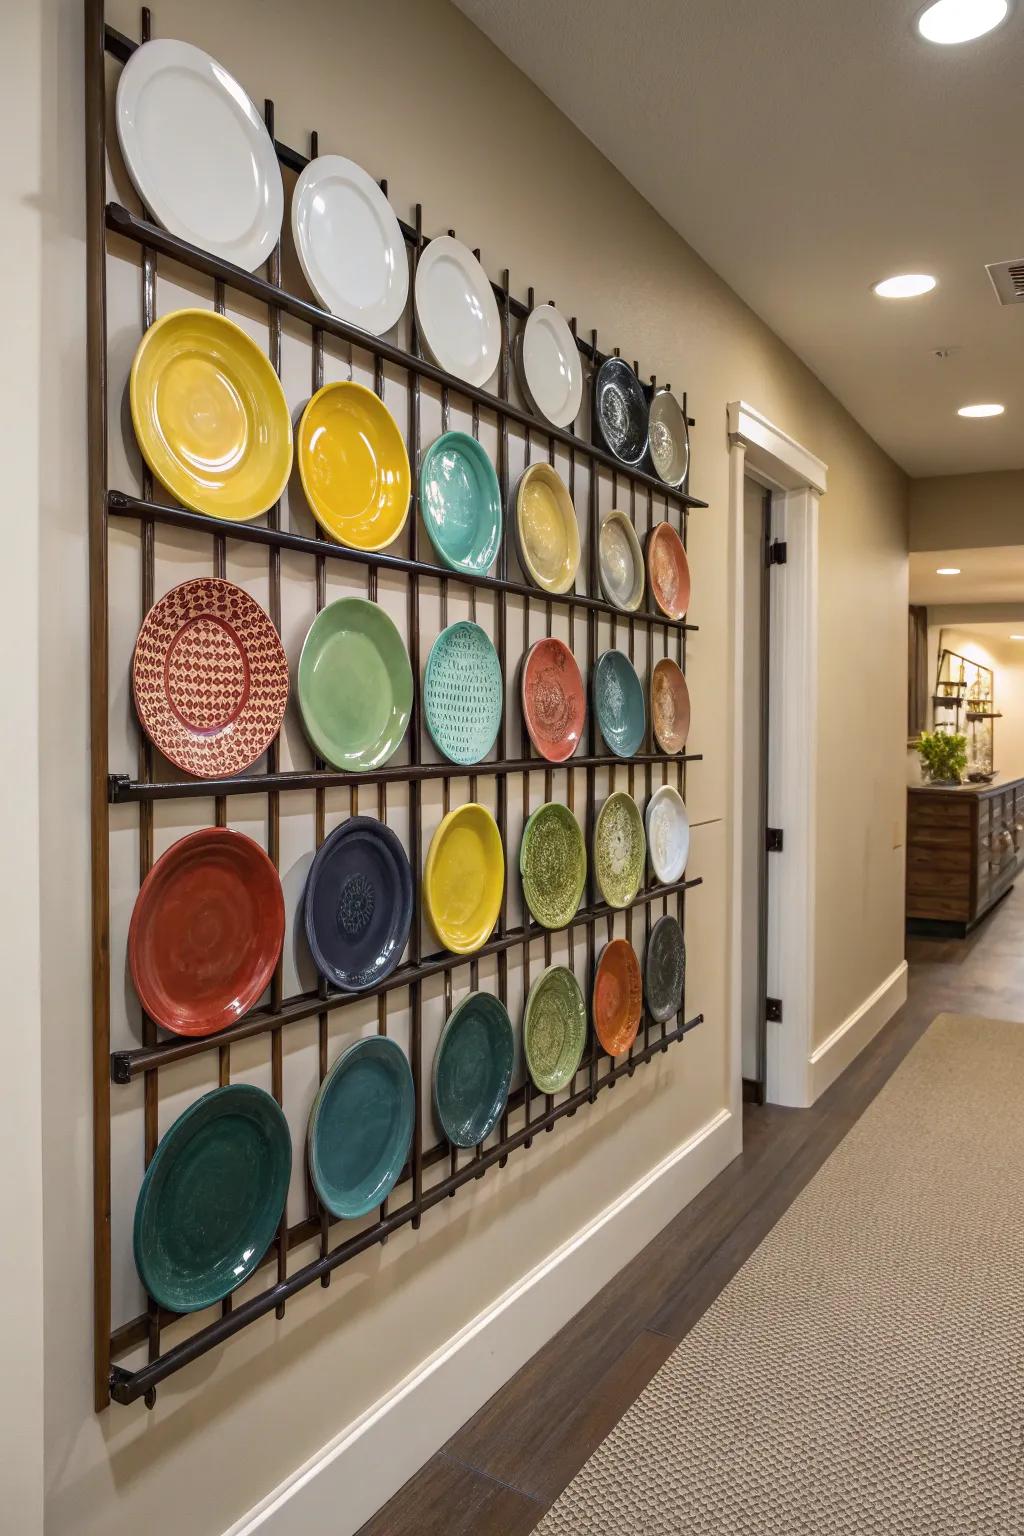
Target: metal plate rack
x: 434, y: 1171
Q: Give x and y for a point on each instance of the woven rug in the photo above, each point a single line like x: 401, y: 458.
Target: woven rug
x: 863, y: 1373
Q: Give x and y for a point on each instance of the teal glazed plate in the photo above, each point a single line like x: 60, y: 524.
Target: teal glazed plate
x: 553, y: 865
x: 463, y: 693
x: 620, y: 849
x: 554, y: 1028
x: 619, y: 703
x: 360, y: 1127
x: 212, y: 1198
x: 473, y: 1069
x: 461, y: 503
x: 354, y: 685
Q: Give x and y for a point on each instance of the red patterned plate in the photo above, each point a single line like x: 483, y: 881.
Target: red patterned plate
x: 554, y: 703
x: 206, y: 932
x: 668, y: 570
x: 210, y: 678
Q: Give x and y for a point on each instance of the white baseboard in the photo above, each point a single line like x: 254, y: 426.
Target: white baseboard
x: 355, y: 1473
x: 853, y: 1034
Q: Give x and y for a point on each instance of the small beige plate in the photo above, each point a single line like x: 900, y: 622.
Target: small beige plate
x: 547, y: 534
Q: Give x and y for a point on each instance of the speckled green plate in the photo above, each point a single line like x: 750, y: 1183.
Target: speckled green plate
x: 461, y: 503
x: 620, y: 849
x: 553, y: 865
x: 665, y: 969
x: 619, y: 703
x: 463, y: 693
x: 473, y: 1069
x: 554, y: 1028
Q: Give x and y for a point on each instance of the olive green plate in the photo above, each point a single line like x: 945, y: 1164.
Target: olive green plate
x: 554, y: 1028
x: 620, y: 849
x: 553, y: 865
x: 473, y: 1069
x: 354, y: 685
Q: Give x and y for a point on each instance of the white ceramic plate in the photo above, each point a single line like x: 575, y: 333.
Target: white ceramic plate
x: 550, y: 369
x: 350, y: 244
x: 668, y: 834
x: 620, y: 562
x: 456, y: 311
x: 669, y: 438
x: 199, y: 153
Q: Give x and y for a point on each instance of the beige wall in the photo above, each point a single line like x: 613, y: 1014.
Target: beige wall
x: 410, y: 90
x: 989, y: 506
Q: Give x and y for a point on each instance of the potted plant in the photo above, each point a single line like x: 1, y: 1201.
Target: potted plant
x: 943, y: 756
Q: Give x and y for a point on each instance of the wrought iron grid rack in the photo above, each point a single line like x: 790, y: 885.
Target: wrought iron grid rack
x: 528, y: 1111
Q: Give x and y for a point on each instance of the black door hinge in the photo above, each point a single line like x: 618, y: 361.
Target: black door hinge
x: 773, y: 839
x: 773, y: 1010
x: 777, y: 552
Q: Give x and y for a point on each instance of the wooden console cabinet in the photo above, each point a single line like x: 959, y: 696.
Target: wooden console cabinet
x: 965, y: 847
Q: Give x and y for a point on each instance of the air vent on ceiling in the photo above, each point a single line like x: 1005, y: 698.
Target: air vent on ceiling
x: 1007, y: 280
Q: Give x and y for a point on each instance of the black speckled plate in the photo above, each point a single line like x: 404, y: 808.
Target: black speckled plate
x: 665, y: 970
x: 620, y: 411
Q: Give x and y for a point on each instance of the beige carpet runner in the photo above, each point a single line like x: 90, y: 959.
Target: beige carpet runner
x: 863, y: 1373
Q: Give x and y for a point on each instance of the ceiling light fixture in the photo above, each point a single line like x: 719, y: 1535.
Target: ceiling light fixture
x: 981, y: 410
x: 960, y: 21
x: 1017, y: 637
x: 908, y: 285
x: 948, y: 570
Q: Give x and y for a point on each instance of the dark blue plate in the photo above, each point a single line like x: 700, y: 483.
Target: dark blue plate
x: 358, y: 904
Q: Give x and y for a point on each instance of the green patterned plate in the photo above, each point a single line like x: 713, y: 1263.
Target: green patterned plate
x: 620, y: 849
x: 554, y: 1028
x: 553, y: 865
x: 463, y: 693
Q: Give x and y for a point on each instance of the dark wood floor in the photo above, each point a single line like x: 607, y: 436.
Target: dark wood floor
x: 506, y: 1466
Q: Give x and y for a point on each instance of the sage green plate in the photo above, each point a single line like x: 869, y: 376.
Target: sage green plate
x: 619, y: 703
x: 473, y: 1069
x: 554, y: 1028
x: 553, y: 865
x: 461, y: 503
x: 360, y: 1126
x: 620, y: 849
x: 354, y: 685
x: 212, y: 1197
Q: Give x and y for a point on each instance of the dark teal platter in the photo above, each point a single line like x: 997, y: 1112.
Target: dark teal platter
x: 212, y: 1198
x: 360, y: 1127
x: 473, y: 1069
x: 619, y: 703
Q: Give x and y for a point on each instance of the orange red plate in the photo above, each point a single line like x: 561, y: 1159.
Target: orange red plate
x: 618, y: 997
x: 668, y: 570
x: 553, y: 699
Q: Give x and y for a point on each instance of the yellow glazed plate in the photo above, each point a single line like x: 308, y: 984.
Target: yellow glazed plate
x: 354, y: 467
x: 464, y: 878
x: 547, y: 534
x: 210, y: 415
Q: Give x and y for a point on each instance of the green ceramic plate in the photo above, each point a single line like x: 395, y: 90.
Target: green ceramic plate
x: 553, y: 865
x: 461, y: 503
x: 212, y: 1197
x: 619, y: 703
x: 360, y: 1127
x: 463, y: 693
x: 473, y: 1069
x: 620, y: 849
x: 354, y: 685
x: 554, y: 1028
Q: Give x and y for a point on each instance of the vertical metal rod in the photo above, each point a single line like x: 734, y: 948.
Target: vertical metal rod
x: 416, y: 739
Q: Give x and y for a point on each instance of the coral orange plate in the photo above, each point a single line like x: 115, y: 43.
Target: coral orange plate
x: 618, y: 997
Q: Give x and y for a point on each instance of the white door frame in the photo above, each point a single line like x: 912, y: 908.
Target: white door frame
x: 796, y: 478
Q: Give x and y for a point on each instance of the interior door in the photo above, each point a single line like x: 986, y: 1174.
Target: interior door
x: 755, y: 705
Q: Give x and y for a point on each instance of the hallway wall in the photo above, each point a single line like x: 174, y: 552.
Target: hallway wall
x: 990, y: 507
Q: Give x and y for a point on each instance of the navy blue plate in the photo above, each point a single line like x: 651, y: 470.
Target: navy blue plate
x: 358, y: 904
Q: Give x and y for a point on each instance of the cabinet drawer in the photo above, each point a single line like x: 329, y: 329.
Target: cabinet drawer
x: 939, y: 813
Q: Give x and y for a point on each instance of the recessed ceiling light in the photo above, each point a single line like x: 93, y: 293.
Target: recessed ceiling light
x: 959, y: 21
x: 1017, y: 637
x: 908, y: 285
x: 948, y: 570
x: 981, y: 410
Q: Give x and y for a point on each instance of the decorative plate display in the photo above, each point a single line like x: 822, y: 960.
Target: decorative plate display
x: 463, y: 693
x: 620, y: 562
x: 553, y: 865
x: 665, y: 970
x: 212, y: 1197
x: 619, y: 703
x: 668, y: 834
x: 670, y: 706
x: 358, y: 903
x: 464, y: 877
x: 206, y: 931
x: 618, y: 997
x: 198, y: 152
x: 473, y: 1069
x: 354, y: 466
x: 456, y: 311
x: 209, y: 678
x: 619, y: 849
x: 549, y: 366
x: 461, y: 503
x: 546, y: 530
x: 350, y: 244
x: 669, y: 438
x: 553, y: 699
x: 355, y: 685
x: 620, y: 411
x: 554, y: 1029
x: 210, y: 415
x: 360, y: 1127
x: 668, y: 571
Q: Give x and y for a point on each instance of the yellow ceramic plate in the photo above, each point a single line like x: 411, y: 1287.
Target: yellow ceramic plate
x: 547, y: 534
x: 464, y: 878
x: 354, y: 467
x: 210, y: 415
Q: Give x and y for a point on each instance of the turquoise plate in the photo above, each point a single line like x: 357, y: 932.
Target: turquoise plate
x: 619, y: 703
x: 461, y: 503
x: 473, y: 1069
x: 360, y: 1127
x: 212, y: 1198
x: 463, y: 693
